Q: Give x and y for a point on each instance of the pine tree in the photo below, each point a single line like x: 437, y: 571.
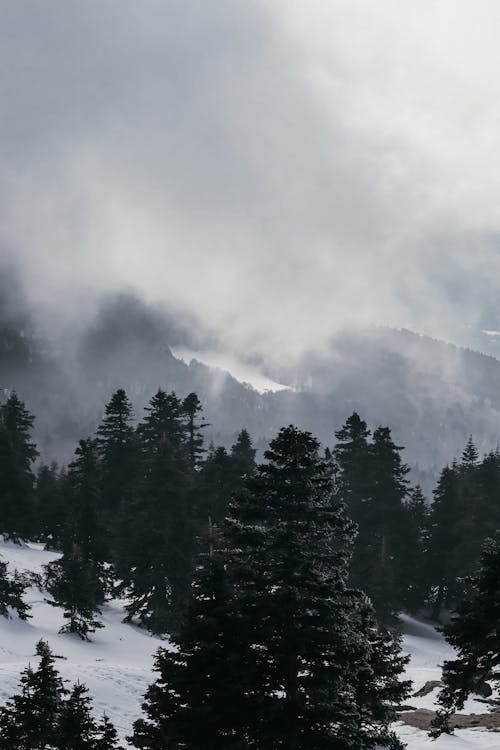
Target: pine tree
x: 271, y: 607
x: 12, y: 588
x: 75, y: 585
x: 30, y: 719
x: 51, y: 508
x: 17, y: 454
x: 107, y: 736
x: 443, y: 537
x: 475, y: 635
x: 76, y: 727
x: 118, y: 452
x: 415, y: 526
x: 85, y: 527
x: 156, y: 564
x: 192, y: 408
x: 242, y: 459
x: 352, y: 458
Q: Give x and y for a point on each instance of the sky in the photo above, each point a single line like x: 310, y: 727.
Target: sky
x: 282, y: 169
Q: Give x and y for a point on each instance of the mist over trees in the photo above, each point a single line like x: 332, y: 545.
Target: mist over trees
x: 418, y: 386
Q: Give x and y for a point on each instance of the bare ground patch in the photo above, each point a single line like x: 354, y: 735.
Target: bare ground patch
x: 421, y: 719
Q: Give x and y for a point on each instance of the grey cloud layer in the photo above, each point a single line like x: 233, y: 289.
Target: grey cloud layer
x: 282, y: 168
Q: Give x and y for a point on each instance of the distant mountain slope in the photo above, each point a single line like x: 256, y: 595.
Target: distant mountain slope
x: 432, y: 394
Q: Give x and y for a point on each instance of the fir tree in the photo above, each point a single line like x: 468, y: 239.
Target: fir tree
x: 271, y: 607
x: 12, y: 588
x: 414, y: 529
x: 29, y: 720
x: 443, y: 537
x: 85, y: 527
x: 192, y: 408
x: 107, y: 736
x: 119, y: 453
x: 51, y: 507
x: 474, y: 633
x: 157, y: 562
x: 75, y: 585
x: 76, y: 728
x: 17, y: 454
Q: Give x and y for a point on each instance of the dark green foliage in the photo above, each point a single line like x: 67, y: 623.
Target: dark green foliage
x: 29, y: 720
x: 371, y: 481
x: 276, y: 651
x: 85, y: 526
x: 12, y: 588
x: 475, y: 635
x: 52, y: 508
x: 192, y: 408
x: 414, y: 532
x: 45, y: 716
x: 17, y: 454
x: 118, y: 451
x: 156, y: 563
x: 75, y: 584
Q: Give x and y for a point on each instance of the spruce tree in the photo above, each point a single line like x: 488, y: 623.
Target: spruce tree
x: 352, y: 459
x: 76, y: 727
x: 118, y: 451
x: 156, y: 563
x: 440, y: 566
x: 17, y: 454
x: 75, y: 585
x: 271, y: 608
x: 12, y: 588
x: 475, y: 635
x: 192, y: 408
x: 29, y: 720
x: 51, y: 505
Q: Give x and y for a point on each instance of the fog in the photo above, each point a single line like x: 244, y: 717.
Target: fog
x: 277, y: 170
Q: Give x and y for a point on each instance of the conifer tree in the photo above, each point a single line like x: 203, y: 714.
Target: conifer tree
x: 414, y: 530
x: 272, y: 609
x: 475, y: 635
x: 30, y: 719
x: 75, y: 585
x: 352, y: 459
x: 118, y: 452
x: 242, y: 458
x: 192, y: 408
x: 85, y: 527
x: 443, y: 537
x: 51, y: 507
x: 12, y: 588
x: 76, y: 727
x: 17, y: 454
x: 107, y: 736
x: 157, y: 561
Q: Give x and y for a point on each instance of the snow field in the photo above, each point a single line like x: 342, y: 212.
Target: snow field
x: 117, y: 664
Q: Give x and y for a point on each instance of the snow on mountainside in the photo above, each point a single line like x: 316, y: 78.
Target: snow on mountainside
x: 117, y: 665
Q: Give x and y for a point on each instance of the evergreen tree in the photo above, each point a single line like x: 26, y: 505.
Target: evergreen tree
x: 271, y: 607
x: 12, y: 588
x: 443, y: 537
x: 17, y: 454
x: 412, y: 561
x: 157, y: 562
x: 352, y: 459
x: 118, y: 452
x: 192, y: 408
x: 30, y: 719
x: 51, y: 507
x: 475, y: 635
x: 107, y: 736
x: 242, y: 459
x: 76, y: 727
x: 75, y: 585
x: 85, y: 527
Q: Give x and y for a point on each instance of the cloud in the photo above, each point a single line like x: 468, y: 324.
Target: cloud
x: 283, y: 169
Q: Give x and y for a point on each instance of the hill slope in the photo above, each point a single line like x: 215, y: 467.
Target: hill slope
x: 117, y: 664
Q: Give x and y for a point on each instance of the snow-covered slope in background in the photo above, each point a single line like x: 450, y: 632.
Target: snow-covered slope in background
x: 117, y: 665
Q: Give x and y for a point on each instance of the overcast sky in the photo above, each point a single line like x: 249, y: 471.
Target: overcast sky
x: 283, y: 168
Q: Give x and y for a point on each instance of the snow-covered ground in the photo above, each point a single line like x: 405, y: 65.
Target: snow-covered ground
x: 117, y: 665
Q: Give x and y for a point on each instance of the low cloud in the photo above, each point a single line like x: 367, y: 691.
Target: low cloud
x: 282, y: 170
